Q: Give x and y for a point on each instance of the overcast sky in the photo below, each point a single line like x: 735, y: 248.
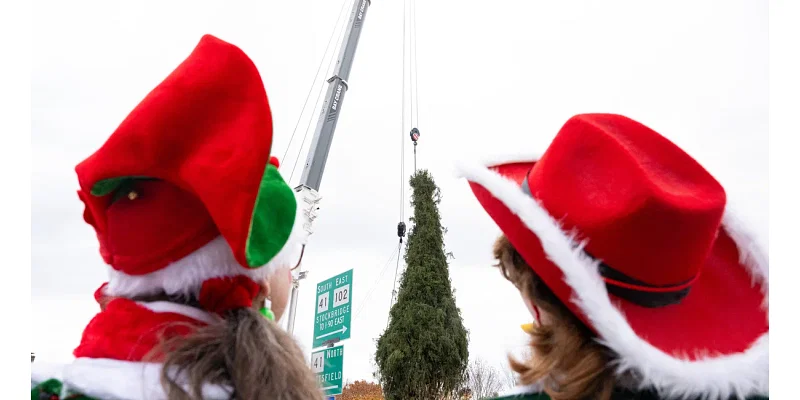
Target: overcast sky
x: 494, y: 78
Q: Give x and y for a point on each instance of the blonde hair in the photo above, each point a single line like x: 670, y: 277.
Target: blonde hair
x: 565, y: 358
x: 243, y: 350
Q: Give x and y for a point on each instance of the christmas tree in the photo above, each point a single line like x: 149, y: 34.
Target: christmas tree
x: 423, y: 352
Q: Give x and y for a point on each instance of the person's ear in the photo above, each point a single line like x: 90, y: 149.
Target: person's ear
x: 533, y: 309
x: 265, y: 288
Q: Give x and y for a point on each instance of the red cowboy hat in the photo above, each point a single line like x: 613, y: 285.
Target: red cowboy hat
x: 634, y: 237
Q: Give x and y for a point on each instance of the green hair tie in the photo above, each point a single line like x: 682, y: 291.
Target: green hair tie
x: 267, y: 313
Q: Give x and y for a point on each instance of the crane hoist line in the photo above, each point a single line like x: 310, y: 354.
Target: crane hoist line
x: 337, y: 88
x: 323, y: 137
x: 410, y: 86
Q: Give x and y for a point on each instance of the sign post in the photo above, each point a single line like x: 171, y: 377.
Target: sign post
x: 328, y: 365
x: 332, y: 318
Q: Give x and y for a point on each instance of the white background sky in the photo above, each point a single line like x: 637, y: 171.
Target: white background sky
x: 494, y: 78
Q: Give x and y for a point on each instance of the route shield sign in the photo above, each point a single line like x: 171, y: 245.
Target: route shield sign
x: 327, y: 364
x: 333, y: 309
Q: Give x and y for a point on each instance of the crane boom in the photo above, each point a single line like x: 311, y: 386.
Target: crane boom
x: 323, y: 135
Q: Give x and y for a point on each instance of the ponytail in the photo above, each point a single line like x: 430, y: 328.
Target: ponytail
x: 244, y: 351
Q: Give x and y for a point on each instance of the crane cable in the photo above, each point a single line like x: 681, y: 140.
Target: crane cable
x: 319, y: 102
x: 408, y: 8
x: 414, y: 83
x: 375, y: 284
x: 414, y: 75
x: 401, y: 226
x: 403, y: 124
x: 317, y: 75
x: 313, y: 83
x: 394, y: 284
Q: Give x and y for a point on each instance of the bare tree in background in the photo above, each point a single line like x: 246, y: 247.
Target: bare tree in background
x: 483, y: 380
x: 510, y: 378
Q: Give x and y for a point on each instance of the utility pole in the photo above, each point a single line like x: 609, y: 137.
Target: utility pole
x: 323, y: 135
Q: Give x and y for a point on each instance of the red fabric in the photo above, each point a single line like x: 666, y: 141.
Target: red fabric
x: 650, y: 211
x: 127, y: 331
x: 219, y: 295
x: 97, y: 206
x: 207, y: 129
x: 620, y: 182
x: 274, y: 161
x: 161, y: 225
x: 100, y: 296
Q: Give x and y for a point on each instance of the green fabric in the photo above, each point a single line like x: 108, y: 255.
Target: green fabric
x: 53, y: 387
x: 273, y: 218
x: 267, y: 313
x: 107, y: 186
x: 46, y: 389
x: 271, y: 223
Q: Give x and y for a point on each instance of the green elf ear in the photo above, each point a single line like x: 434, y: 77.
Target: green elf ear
x: 272, y: 220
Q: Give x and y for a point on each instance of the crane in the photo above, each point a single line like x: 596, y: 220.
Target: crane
x: 311, y: 179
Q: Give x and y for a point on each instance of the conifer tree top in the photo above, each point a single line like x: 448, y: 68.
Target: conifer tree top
x: 423, y: 352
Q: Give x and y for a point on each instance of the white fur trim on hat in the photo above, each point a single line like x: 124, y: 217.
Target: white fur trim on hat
x: 213, y: 260
x: 509, y: 159
x: 717, y: 377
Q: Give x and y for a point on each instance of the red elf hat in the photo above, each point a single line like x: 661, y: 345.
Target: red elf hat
x: 634, y: 237
x: 185, y: 189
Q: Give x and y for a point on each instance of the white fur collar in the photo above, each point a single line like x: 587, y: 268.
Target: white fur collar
x: 114, y: 380
x: 124, y: 380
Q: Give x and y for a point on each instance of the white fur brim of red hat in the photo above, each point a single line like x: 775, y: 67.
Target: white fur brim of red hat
x: 707, y: 375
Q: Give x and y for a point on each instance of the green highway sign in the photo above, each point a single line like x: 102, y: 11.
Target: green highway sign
x: 332, y: 318
x: 327, y: 364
